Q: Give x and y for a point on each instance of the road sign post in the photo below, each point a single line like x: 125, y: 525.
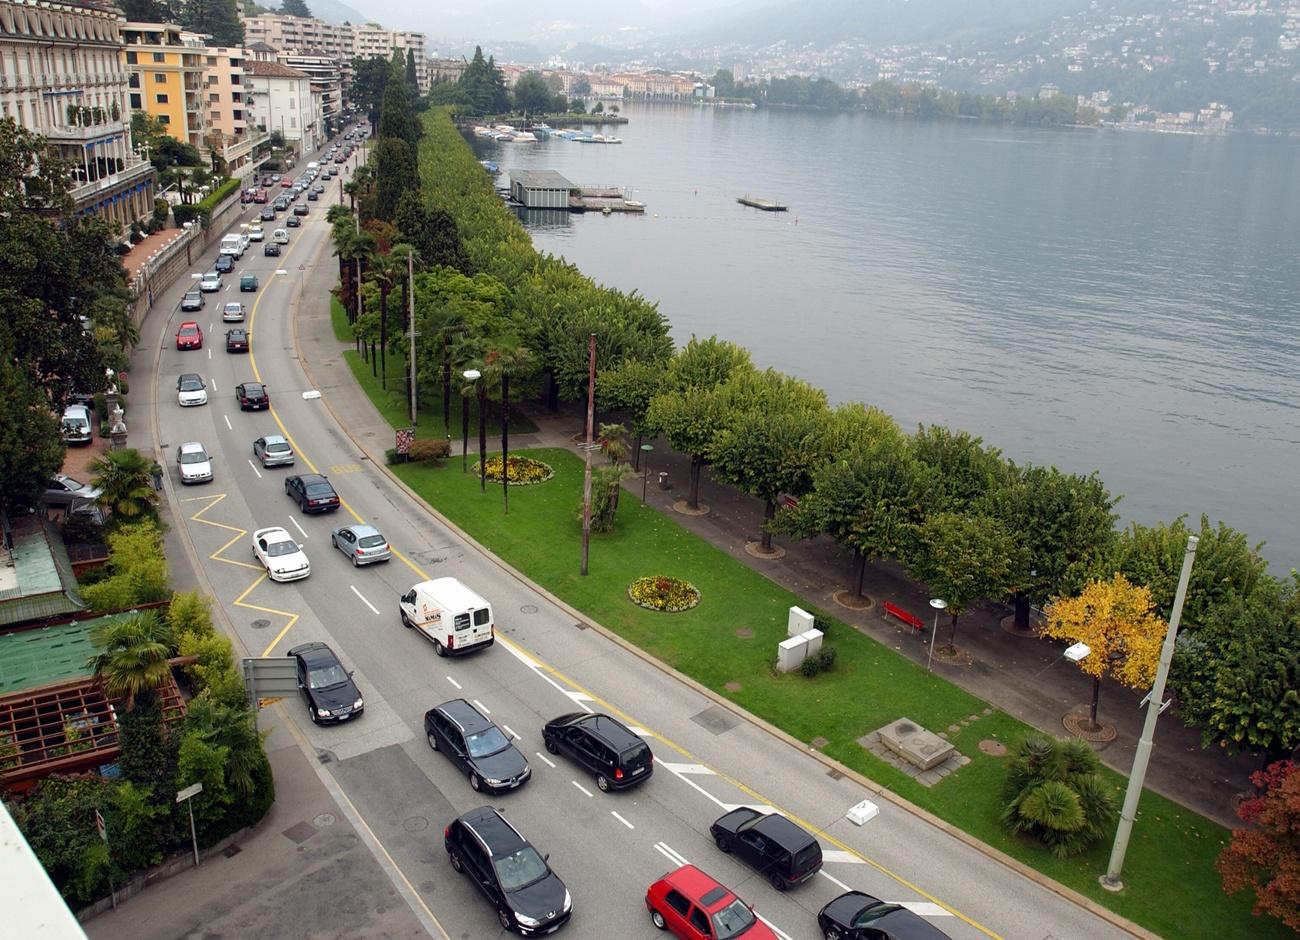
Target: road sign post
x: 186, y: 796
x: 103, y: 835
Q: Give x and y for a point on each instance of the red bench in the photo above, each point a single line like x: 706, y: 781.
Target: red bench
x: 913, y: 621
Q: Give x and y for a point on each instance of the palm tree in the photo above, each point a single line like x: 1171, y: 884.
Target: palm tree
x: 124, y: 476
x: 408, y: 259
x: 343, y: 232
x: 501, y: 363
x: 386, y: 272
x: 359, y: 249
x: 233, y: 729
x: 132, y: 657
x: 352, y: 188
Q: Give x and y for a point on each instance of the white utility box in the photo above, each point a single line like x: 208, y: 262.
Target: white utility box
x: 814, y: 640
x: 800, y: 622
x: 863, y: 813
x: 790, y: 653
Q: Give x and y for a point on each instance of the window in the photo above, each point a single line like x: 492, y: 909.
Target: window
x: 700, y: 922
x: 293, y: 122
x: 161, y: 99
x: 130, y: 58
x: 135, y: 103
x: 133, y: 80
x: 216, y: 117
x: 159, y: 57
x: 160, y: 78
x: 214, y: 97
x: 164, y: 119
x: 677, y: 901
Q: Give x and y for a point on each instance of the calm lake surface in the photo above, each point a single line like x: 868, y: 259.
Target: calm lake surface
x: 1120, y: 302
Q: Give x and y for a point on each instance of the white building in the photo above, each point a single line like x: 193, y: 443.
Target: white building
x: 300, y: 34
x: 280, y: 99
x: 327, y: 80
x: 370, y: 39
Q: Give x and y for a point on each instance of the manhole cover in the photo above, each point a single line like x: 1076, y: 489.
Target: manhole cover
x: 993, y: 748
x: 260, y: 624
x: 231, y: 851
x: 528, y: 609
x: 324, y: 819
x: 300, y: 832
x: 415, y: 824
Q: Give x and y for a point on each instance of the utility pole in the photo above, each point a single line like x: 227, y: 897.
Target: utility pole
x: 586, y: 473
x: 1154, y: 702
x: 410, y: 316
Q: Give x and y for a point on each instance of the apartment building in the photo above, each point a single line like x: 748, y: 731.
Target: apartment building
x: 166, y: 79
x: 281, y: 99
x: 61, y: 76
x: 301, y: 34
x: 328, y: 79
x: 371, y: 40
x: 234, y: 133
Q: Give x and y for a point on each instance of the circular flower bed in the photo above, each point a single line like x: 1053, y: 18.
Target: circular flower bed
x: 663, y: 593
x: 523, y: 471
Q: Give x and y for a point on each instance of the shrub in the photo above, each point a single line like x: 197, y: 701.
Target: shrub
x: 137, y: 570
x: 821, y: 661
x: 189, y: 614
x: 1056, y: 794
x: 435, y: 449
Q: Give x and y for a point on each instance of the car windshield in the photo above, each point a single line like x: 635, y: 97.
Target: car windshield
x: 487, y: 742
x: 371, y: 541
x: 520, y: 869
x: 320, y: 489
x: 234, y: 308
x: 191, y: 383
x: 252, y: 391
x: 327, y: 677
x: 280, y: 549
x: 192, y: 295
x: 873, y: 913
x: 733, y: 920
x: 194, y: 456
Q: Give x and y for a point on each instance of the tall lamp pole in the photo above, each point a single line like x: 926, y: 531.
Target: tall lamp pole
x: 471, y: 375
x: 1155, y: 705
x: 938, y: 603
x: 645, y: 449
x: 586, y: 473
x: 482, y: 436
x: 410, y: 317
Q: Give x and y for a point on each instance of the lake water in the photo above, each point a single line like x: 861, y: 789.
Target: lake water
x: 1123, y: 302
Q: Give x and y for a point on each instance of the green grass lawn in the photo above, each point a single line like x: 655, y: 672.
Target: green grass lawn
x: 1169, y: 870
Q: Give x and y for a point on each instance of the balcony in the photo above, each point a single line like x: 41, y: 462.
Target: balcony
x: 132, y: 173
x: 74, y: 134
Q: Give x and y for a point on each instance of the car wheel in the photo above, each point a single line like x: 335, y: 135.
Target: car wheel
x: 507, y: 921
x: 602, y: 783
x: 657, y: 919
x: 724, y: 844
x: 433, y: 740
x: 456, y: 862
x: 833, y: 933
x: 439, y: 649
x: 550, y: 744
x: 311, y: 713
x: 334, y: 543
x: 355, y: 563
x: 302, y: 506
x: 777, y: 881
x: 475, y: 783
x: 406, y: 622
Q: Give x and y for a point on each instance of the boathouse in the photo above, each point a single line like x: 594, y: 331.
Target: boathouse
x: 540, y: 189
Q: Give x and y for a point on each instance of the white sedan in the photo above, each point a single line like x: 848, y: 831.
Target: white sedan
x: 280, y: 554
x: 193, y: 462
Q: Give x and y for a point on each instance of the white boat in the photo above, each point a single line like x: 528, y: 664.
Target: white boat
x: 612, y: 140
x: 481, y: 131
x: 525, y: 137
x: 505, y: 128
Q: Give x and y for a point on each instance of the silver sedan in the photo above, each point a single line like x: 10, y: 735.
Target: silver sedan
x: 361, y: 543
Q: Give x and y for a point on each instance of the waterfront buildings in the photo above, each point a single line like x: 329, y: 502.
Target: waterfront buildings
x: 61, y: 76
x: 234, y: 133
x: 299, y: 35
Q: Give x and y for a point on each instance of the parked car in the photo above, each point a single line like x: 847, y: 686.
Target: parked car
x: 693, y: 906
x: 331, y: 694
x: 193, y: 463
x: 362, y: 544
x: 193, y: 300
x: 293, y: 222
x: 224, y: 264
x: 252, y: 396
x: 780, y: 851
x: 237, y: 340
x: 301, y: 209
x: 210, y: 282
x: 313, y: 492
x: 602, y: 745
x: 312, y: 196
x: 510, y: 873
x: 248, y: 282
x: 189, y: 336
x: 280, y: 554
x: 271, y: 249
x: 76, y: 425
x: 273, y: 451
x: 191, y: 390
x: 63, y: 490
x: 858, y: 916
x: 476, y: 747
x: 267, y: 214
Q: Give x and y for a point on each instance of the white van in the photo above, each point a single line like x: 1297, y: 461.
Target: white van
x: 76, y: 425
x: 234, y: 245
x: 313, y: 165
x: 280, y: 236
x: 451, y: 615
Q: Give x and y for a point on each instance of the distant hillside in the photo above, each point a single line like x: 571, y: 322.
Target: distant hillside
x: 332, y: 11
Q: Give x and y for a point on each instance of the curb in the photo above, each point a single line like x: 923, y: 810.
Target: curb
x: 1068, y: 894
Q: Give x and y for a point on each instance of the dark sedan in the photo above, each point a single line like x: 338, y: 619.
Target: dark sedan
x: 271, y: 250
x: 268, y: 214
x: 293, y: 222
x: 312, y: 492
x: 193, y: 300
x: 252, y: 396
x: 237, y: 340
x: 858, y: 916
x: 475, y: 746
x: 327, y: 687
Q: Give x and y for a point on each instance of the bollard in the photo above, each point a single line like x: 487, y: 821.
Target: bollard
x: 663, y: 480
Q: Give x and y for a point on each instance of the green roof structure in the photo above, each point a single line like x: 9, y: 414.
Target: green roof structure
x: 36, y: 578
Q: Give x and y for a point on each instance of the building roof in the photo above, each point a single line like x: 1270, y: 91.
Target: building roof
x: 540, y: 179
x: 260, y: 46
x: 36, y: 577
x: 273, y: 70
x: 32, y: 658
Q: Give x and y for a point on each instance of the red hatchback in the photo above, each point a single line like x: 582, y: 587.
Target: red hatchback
x: 693, y: 906
x: 286, y: 182
x: 189, y: 336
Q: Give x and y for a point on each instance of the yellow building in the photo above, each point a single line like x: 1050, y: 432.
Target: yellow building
x: 165, y: 66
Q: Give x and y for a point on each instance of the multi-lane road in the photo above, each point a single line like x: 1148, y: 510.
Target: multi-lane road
x: 607, y: 847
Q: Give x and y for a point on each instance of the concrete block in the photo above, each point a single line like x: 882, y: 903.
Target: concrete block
x: 921, y: 748
x: 790, y: 653
x: 863, y: 813
x: 814, y: 640
x: 799, y: 622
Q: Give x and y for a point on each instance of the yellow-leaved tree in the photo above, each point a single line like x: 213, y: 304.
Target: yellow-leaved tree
x: 1119, y: 623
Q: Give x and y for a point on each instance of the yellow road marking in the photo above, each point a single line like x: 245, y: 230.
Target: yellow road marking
x: 341, y: 468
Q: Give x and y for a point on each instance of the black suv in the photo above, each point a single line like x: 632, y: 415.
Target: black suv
x: 515, y: 879
x: 779, y: 850
x: 476, y: 746
x: 331, y: 694
x: 312, y: 491
x: 603, y: 745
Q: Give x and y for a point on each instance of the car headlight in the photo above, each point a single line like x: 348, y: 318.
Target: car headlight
x: 527, y: 921
x: 323, y: 712
x: 492, y: 783
x: 358, y: 703
x: 568, y: 901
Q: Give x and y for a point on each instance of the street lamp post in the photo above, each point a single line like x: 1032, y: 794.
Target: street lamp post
x: 645, y: 476
x: 482, y: 437
x: 471, y: 375
x: 938, y: 603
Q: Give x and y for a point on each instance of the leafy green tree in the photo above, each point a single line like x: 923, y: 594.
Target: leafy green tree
x: 149, y: 11
x: 31, y: 449
x: 706, y: 363
x: 630, y: 388
x: 58, y: 820
x: 148, y: 748
x: 200, y: 761
x: 397, y: 115
x: 870, y: 501
x: 369, y: 82
x: 576, y: 106
x: 216, y: 18
x: 965, y: 471
x: 531, y: 94
x: 964, y: 558
x: 724, y: 83
x: 295, y: 8
x: 125, y: 479
x: 432, y: 232
x: 690, y: 420
x: 133, y: 655
x: 484, y: 86
x: 1057, y: 795
x: 447, y: 93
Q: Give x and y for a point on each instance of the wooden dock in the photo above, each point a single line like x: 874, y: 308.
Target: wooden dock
x: 767, y: 205
x: 604, y: 199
